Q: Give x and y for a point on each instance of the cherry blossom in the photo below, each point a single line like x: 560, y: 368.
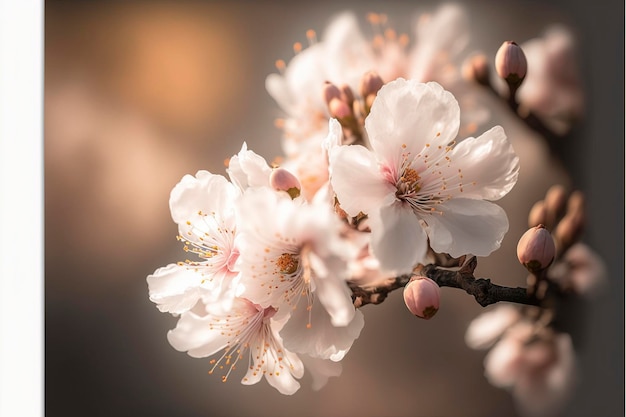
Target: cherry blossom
x: 294, y: 259
x: 417, y: 186
x: 244, y: 331
x: 535, y: 362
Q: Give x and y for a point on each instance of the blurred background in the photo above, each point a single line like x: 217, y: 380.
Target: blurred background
x: 138, y: 94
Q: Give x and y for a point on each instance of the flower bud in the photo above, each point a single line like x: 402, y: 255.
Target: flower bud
x: 283, y: 180
x: 421, y: 296
x: 339, y: 109
x: 346, y: 94
x: 330, y: 92
x: 535, y: 249
x: 370, y: 84
x: 511, y: 63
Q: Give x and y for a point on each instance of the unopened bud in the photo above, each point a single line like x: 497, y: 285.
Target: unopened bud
x: 476, y: 68
x: 370, y: 84
x: 346, y: 94
x: 283, y: 180
x: 331, y: 91
x: 421, y: 296
x: 536, y: 249
x: 339, y: 109
x: 511, y: 63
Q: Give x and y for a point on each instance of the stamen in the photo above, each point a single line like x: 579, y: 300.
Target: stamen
x: 287, y: 263
x: 280, y: 65
x: 311, y: 36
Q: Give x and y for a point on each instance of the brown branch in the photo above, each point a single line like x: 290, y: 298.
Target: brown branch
x: 483, y: 290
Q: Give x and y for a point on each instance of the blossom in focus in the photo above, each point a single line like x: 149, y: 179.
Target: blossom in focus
x: 247, y: 334
x: 294, y: 259
x: 203, y: 207
x: 416, y: 186
x: 536, y: 363
x: 248, y: 169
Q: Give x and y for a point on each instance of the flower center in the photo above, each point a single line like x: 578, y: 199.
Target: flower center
x: 408, y: 183
x: 287, y: 263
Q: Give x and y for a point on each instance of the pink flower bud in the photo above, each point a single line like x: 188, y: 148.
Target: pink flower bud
x: 331, y: 91
x: 370, y: 84
x: 283, y: 180
x: 536, y: 249
x: 511, y: 63
x: 339, y: 109
x: 421, y: 296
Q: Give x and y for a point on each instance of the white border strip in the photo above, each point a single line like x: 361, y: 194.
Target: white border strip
x: 21, y: 208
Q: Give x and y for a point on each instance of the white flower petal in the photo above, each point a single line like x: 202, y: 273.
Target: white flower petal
x: 322, y: 339
x: 440, y: 39
x: 407, y: 115
x: 484, y: 330
x: 348, y: 54
x: 503, y: 362
x: 357, y: 181
x: 205, y: 192
x: 247, y: 169
x: 321, y: 370
x: 333, y: 292
x: 398, y: 239
x: 466, y: 226
x: 489, y: 165
x: 174, y: 289
x: 192, y: 335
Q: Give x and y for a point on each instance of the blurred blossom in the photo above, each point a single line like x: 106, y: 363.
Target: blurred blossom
x: 553, y: 87
x: 534, y: 362
x: 580, y: 270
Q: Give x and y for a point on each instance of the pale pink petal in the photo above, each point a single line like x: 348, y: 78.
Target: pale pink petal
x: 348, y: 54
x: 300, y: 86
x: 465, y: 226
x: 321, y: 370
x: 484, y: 330
x: 205, y: 192
x: 332, y: 290
x: 247, y: 169
x: 192, y: 335
x: 488, y: 164
x: 175, y: 289
x: 440, y: 38
x: 357, y: 181
x: 321, y: 339
x: 398, y: 239
x: 407, y: 115
x: 503, y: 363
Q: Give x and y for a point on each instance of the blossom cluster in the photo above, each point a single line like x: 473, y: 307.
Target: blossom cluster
x: 380, y: 175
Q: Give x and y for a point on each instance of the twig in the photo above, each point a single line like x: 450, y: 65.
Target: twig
x: 483, y: 290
